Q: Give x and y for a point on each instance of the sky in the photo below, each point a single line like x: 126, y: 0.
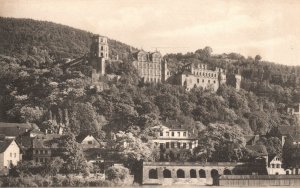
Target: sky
x: 270, y: 28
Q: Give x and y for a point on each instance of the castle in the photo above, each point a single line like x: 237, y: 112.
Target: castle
x: 150, y: 66
x: 195, y: 75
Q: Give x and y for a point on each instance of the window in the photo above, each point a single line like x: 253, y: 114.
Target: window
x: 153, y: 174
x: 202, y: 80
x: 180, y: 173
x: 167, y: 173
x: 198, y: 80
x: 202, y: 173
x: 208, y: 81
x: 184, y: 145
x: 190, y: 145
x: 273, y: 165
x: 161, y: 134
x: 90, y: 142
x: 184, y: 133
x: 178, y: 133
x: 172, y: 144
x: 214, y: 81
x: 278, y: 165
x: 193, y: 173
x: 161, y: 145
x: 167, y: 145
x: 167, y: 133
x: 178, y: 144
x: 172, y: 133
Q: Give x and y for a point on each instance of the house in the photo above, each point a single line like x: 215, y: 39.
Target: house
x: 10, y: 153
x: 43, y: 147
x: 88, y: 141
x: 13, y: 130
x: 275, y: 165
x: 175, y: 138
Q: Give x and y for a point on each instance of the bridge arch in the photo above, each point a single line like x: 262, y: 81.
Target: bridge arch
x: 180, y: 173
x: 153, y: 174
x: 202, y: 173
x: 193, y: 173
x: 227, y: 172
x: 167, y: 173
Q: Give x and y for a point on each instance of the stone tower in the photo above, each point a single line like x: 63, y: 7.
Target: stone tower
x: 98, y: 55
x: 164, y: 71
x: 238, y: 79
x: 221, y: 76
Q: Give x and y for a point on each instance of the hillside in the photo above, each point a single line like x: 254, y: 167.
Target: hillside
x: 24, y: 36
x: 33, y: 89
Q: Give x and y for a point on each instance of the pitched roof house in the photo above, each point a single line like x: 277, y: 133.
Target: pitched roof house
x: 10, y: 153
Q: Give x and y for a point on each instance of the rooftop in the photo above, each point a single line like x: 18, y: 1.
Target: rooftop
x: 14, y: 129
x: 4, y: 144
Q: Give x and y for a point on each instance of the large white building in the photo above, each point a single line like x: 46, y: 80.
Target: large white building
x: 175, y: 138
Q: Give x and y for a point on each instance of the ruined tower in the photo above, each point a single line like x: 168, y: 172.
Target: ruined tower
x: 98, y: 55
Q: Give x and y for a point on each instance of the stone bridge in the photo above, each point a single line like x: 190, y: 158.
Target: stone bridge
x: 165, y: 173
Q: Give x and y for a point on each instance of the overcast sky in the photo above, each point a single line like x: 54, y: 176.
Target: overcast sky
x: 270, y: 28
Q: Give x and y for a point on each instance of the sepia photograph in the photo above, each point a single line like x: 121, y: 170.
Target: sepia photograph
x: 150, y: 93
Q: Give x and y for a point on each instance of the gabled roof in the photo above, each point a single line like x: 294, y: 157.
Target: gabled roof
x: 4, y: 144
x: 81, y: 137
x: 14, y: 129
x: 45, y: 141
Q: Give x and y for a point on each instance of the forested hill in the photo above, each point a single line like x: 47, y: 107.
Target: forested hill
x: 27, y: 36
x: 34, y: 89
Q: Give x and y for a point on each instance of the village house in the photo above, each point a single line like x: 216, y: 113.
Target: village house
x: 10, y: 153
x: 43, y: 147
x: 275, y: 166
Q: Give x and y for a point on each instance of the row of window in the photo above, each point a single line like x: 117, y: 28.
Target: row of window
x: 205, y: 74
x: 144, y: 58
x: 275, y: 165
x: 178, y: 144
x: 147, y: 65
x: 184, y: 134
x: 146, y: 79
x: 203, y: 81
x: 42, y: 160
x: 45, y: 152
x: 151, y: 72
x: 104, y: 48
x: 13, y: 155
